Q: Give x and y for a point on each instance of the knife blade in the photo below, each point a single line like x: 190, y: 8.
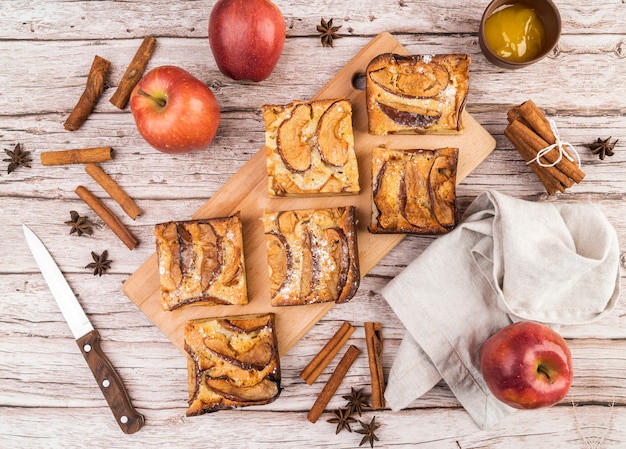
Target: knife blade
x: 87, y: 338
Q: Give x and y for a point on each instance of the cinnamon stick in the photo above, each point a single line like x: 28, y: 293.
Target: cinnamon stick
x: 87, y: 101
x: 107, y: 216
x: 113, y: 189
x: 311, y: 372
x: 77, y: 156
x: 333, y: 383
x: 133, y: 72
x: 374, y: 340
x: 536, y: 119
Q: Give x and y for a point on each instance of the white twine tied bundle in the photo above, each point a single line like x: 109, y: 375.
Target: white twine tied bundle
x: 557, y: 144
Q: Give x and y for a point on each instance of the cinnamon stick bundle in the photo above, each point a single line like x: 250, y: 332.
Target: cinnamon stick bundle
x: 333, y: 383
x: 374, y: 341
x: 530, y: 132
x: 327, y: 353
x: 114, y: 190
x: 133, y: 73
x: 87, y: 101
x: 107, y: 216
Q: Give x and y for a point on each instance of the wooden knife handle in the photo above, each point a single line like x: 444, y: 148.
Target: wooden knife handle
x: 110, y: 383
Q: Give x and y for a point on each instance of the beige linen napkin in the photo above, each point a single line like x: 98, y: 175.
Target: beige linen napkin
x: 508, y: 260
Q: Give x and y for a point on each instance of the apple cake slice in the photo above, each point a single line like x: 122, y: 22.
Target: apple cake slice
x: 418, y: 94
x: 414, y: 191
x: 312, y: 255
x: 310, y: 148
x: 201, y: 262
x: 232, y: 362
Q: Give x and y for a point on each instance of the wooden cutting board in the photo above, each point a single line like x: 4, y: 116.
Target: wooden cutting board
x: 246, y: 192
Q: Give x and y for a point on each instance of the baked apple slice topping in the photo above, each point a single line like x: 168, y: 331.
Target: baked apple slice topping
x: 210, y: 256
x: 389, y: 196
x: 337, y: 247
x: 263, y: 391
x: 232, y: 263
x: 416, y: 208
x: 287, y: 222
x: 407, y: 118
x: 332, y: 129
x: 279, y: 260
x: 291, y: 142
x: 241, y: 325
x: 442, y: 185
x: 308, y: 269
x: 416, y: 80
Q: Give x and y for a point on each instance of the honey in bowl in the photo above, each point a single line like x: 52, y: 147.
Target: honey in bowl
x: 515, y: 33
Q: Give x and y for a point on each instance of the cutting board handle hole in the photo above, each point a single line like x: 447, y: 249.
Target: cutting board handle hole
x: 358, y: 80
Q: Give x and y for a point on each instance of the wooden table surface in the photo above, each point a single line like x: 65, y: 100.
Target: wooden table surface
x: 48, y: 397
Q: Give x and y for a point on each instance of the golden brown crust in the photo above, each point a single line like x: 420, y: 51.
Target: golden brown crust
x: 310, y: 148
x: 418, y: 94
x: 414, y: 191
x: 312, y: 255
x: 201, y: 262
x: 233, y: 362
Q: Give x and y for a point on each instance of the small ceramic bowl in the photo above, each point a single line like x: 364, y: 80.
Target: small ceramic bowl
x: 546, y: 10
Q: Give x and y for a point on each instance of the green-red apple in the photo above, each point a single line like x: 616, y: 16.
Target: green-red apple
x: 174, y: 111
x: 527, y: 365
x: 246, y: 38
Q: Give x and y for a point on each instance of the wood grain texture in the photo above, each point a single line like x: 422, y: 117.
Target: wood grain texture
x: 48, y: 396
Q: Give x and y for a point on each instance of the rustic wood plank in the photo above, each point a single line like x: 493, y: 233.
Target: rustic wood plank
x: 599, y: 60
x: 58, y: 20
x: 48, y: 397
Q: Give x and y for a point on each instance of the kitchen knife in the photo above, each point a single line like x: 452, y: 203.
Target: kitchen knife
x: 87, y: 338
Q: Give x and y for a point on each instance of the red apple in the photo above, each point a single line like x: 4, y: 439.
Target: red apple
x: 527, y: 365
x: 174, y: 111
x: 246, y: 37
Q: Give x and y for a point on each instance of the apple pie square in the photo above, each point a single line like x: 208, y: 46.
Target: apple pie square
x: 310, y: 148
x: 414, y: 191
x: 201, y: 262
x: 232, y: 362
x: 312, y: 255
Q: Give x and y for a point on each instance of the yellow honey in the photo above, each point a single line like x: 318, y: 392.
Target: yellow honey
x: 515, y: 33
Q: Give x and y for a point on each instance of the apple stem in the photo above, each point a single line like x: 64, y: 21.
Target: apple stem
x: 161, y: 102
x: 543, y: 371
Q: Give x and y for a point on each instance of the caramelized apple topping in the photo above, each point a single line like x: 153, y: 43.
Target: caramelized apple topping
x: 291, y: 142
x: 261, y: 392
x: 417, y: 208
x: 210, y: 255
x: 279, y: 260
x: 443, y: 187
x: 408, y: 118
x: 337, y: 247
x: 332, y: 129
x: 416, y: 80
x: 388, y: 194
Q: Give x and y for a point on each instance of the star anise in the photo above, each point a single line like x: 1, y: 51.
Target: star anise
x: 80, y: 225
x: 357, y: 400
x: 342, y: 419
x: 17, y: 158
x: 367, y: 431
x: 328, y: 32
x: 100, y: 263
x: 603, y: 147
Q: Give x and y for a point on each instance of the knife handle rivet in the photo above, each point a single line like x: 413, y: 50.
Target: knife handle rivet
x: 124, y: 419
x: 106, y: 383
x: 87, y: 348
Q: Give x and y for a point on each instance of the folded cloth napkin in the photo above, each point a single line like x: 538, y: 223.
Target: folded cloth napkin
x: 508, y: 260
